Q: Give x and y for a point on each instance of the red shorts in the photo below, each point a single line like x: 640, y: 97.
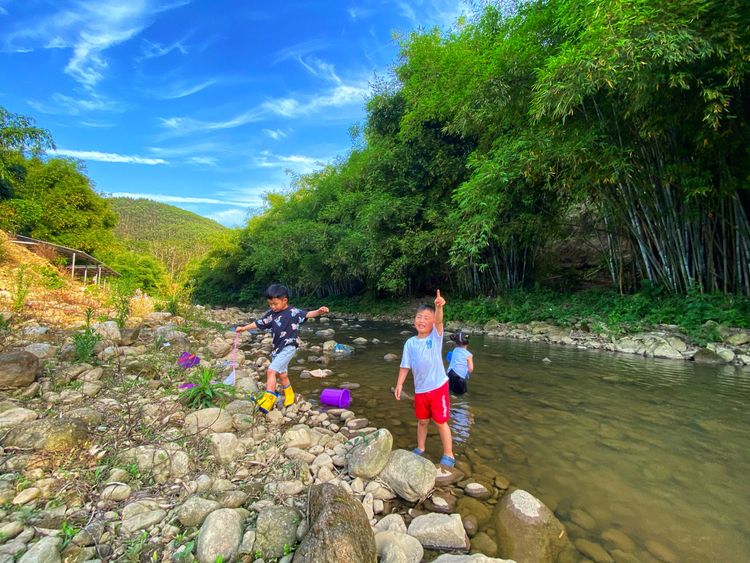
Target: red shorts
x: 434, y: 404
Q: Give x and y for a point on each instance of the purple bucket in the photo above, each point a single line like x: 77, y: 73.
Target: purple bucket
x: 337, y: 397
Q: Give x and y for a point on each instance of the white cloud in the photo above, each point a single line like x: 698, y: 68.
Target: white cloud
x: 299, y: 163
x: 89, y: 27
x: 355, y: 13
x: 229, y: 218
x: 320, y: 69
x: 96, y: 124
x: 339, y: 96
x: 182, y: 125
x: 180, y: 90
x: 178, y: 199
x: 75, y: 106
x: 275, y: 135
x: 186, y: 150
x: 296, y: 51
x: 152, y: 50
x: 107, y: 157
x: 203, y: 160
x: 424, y: 13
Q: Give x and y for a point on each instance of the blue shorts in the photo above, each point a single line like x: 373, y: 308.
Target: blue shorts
x: 280, y: 361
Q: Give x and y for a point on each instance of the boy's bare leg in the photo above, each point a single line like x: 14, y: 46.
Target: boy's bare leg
x: 284, y: 377
x: 271, y: 380
x: 422, y: 433
x: 445, y: 437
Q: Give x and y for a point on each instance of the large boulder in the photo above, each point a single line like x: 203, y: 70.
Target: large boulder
x: 220, y: 535
x: 339, y: 531
x: 108, y: 330
x: 219, y: 348
x: 209, y: 420
x: 528, y: 532
x: 48, y: 434
x: 44, y: 551
x: 440, y: 531
x: 408, y: 475
x: 706, y: 356
x: 299, y: 436
x: 276, y: 531
x: 395, y: 546
x: 18, y: 369
x: 195, y: 510
x: 369, y: 458
x: 42, y: 350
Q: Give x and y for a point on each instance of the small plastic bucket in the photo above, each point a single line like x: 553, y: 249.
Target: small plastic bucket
x: 337, y: 397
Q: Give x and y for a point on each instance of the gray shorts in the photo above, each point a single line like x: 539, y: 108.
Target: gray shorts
x: 280, y: 361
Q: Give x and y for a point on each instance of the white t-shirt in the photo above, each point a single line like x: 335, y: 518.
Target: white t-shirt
x: 459, y: 363
x: 424, y: 357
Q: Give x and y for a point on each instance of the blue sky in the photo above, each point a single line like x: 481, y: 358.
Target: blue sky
x: 201, y: 104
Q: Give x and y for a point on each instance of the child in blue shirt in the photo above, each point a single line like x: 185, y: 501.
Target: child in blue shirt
x: 283, y: 321
x: 461, y: 365
x: 423, y: 356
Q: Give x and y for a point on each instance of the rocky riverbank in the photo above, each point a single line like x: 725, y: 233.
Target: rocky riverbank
x: 102, y: 462
x: 666, y: 342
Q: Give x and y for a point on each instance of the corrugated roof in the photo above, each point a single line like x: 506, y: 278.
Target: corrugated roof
x: 79, y: 254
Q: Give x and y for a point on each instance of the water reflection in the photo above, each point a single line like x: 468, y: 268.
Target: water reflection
x: 653, y: 449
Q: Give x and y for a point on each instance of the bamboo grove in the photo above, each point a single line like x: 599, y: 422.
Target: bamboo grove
x: 617, y: 124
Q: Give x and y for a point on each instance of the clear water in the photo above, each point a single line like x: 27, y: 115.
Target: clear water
x: 657, y: 449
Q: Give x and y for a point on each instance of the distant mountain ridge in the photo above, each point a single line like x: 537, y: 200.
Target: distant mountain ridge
x: 173, y: 235
x: 147, y: 220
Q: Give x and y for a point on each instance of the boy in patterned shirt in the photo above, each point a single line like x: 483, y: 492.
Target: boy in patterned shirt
x: 283, y: 321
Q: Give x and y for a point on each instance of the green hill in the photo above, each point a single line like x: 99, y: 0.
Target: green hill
x: 173, y: 235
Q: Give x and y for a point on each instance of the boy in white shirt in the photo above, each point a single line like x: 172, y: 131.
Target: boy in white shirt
x: 423, y: 356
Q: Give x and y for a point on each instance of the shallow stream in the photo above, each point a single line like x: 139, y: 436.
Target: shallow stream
x: 658, y: 450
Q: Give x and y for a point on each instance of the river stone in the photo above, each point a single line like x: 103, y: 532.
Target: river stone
x: 41, y: 350
x: 142, y: 520
x: 447, y: 476
x: 298, y: 436
x: 582, y: 519
x: 470, y: 524
x: 482, y: 543
x: 18, y: 369
x: 477, y: 491
x: 395, y: 546
x: 528, y: 532
x: 44, y: 551
x: 209, y: 420
x: 661, y: 552
x: 476, y: 558
x: 13, y: 417
x: 706, y: 356
x: 232, y: 499
x: 339, y: 531
x: 48, y: 434
x: 223, y: 446
x: 619, y: 539
x: 165, y: 462
x: 368, y: 459
x: 89, y: 416
x: 390, y: 357
x: 439, y: 531
x: 360, y: 341
x: 593, y: 551
x: 195, y: 510
x: 442, y: 502
x: 276, y: 529
x: 739, y: 339
x: 10, y: 530
x: 390, y: 523
x: 129, y: 335
x: 469, y: 506
x: 408, y: 475
x: 624, y: 557
x: 108, y: 330
x: 220, y: 535
x: 219, y: 348
x: 116, y: 492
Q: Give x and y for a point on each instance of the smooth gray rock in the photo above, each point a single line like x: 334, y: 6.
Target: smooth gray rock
x: 476, y: 558
x: 276, y: 531
x: 48, y: 434
x: 220, y: 535
x: 528, y: 532
x: 408, y: 547
x: 142, y: 521
x: 195, y: 510
x: 13, y: 417
x: 18, y: 369
x: 439, y: 531
x: 408, y: 475
x: 339, y: 531
x: 368, y: 459
x: 44, y: 551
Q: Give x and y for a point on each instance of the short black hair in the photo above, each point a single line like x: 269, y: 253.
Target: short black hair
x: 460, y: 338
x: 277, y: 291
x: 426, y: 308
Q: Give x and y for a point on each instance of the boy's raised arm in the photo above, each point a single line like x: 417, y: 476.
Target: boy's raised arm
x: 316, y: 313
x: 439, y: 302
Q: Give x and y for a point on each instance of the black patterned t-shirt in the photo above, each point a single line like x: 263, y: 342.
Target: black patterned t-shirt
x: 283, y: 325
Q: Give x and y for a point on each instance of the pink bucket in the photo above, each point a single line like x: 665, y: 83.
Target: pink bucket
x: 337, y: 397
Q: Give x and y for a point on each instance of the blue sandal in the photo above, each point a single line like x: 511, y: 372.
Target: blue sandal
x: 418, y: 451
x: 449, y: 461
